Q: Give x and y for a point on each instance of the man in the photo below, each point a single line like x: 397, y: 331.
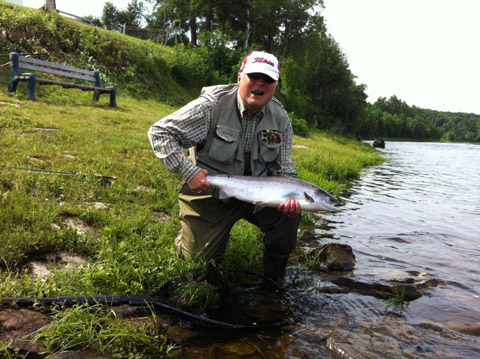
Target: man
x: 237, y: 129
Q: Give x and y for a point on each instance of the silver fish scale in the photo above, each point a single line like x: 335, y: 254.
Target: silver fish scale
x: 271, y: 191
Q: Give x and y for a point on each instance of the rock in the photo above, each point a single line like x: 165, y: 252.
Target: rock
x: 365, y: 343
x: 69, y: 157
x: 55, y: 226
x: 100, y: 205
x: 197, y: 352
x: 330, y: 257
x: 78, y: 225
x: 163, y: 217
x: 307, y: 236
x: 301, y: 147
x: 35, y: 159
x: 238, y: 350
x: 379, y: 290
x: 76, y: 261
x: 466, y: 329
x: 44, y: 266
x: 178, y: 335
x: 142, y: 189
x: 385, y: 282
x: 18, y: 327
x: 38, y: 269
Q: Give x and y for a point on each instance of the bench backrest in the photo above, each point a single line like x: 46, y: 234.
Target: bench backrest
x: 29, y: 63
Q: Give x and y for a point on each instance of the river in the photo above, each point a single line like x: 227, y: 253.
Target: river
x: 417, y: 213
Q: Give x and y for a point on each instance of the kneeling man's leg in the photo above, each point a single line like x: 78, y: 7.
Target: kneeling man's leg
x: 280, y: 239
x: 205, y: 225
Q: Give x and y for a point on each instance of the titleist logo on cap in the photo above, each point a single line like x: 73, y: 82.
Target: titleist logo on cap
x: 263, y: 61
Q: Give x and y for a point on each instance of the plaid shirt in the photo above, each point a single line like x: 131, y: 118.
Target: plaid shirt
x: 189, y: 126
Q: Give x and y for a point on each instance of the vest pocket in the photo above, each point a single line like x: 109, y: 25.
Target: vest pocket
x: 224, y: 144
x: 269, y: 145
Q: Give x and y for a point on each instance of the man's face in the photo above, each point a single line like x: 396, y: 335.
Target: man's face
x: 255, y: 93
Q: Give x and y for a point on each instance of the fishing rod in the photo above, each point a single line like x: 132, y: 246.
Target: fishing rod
x: 133, y: 301
x: 102, y: 178
x: 140, y: 300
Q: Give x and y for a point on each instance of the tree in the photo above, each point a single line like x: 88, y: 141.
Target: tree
x: 110, y: 16
x: 133, y: 15
x: 114, y: 19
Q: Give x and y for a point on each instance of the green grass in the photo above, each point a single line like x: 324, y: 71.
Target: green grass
x: 98, y: 329
x: 396, y: 298
x: 129, y: 249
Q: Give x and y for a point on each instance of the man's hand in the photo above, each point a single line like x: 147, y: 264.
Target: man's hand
x: 290, y: 207
x: 199, y: 183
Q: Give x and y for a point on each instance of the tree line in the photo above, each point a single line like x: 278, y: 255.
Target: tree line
x: 393, y: 118
x: 211, y: 38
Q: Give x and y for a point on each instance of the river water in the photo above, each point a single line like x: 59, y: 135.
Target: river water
x: 419, y: 213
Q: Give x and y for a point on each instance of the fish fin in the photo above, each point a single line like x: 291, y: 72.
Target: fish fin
x: 308, y: 198
x: 259, y: 203
x: 222, y: 194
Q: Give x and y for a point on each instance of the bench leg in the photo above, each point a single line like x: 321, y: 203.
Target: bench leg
x: 96, y: 95
x: 113, y: 97
x: 12, y: 85
x: 31, y: 88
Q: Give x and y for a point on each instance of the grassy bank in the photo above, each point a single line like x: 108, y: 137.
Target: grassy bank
x: 128, y: 226
x: 118, y: 233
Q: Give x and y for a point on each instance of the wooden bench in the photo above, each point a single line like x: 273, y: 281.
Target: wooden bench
x: 21, y: 62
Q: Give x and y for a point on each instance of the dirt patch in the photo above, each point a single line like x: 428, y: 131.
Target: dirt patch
x: 35, y: 159
x: 99, y: 205
x: 163, y: 217
x: 79, y: 226
x: 18, y: 327
x: 142, y: 189
x: 43, y: 268
x: 10, y: 104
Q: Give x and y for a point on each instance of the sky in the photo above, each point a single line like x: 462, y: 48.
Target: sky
x: 425, y: 52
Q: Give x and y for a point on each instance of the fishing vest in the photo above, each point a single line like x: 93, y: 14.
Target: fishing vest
x: 223, y: 151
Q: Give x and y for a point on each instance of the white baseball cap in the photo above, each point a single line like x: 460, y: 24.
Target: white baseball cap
x: 261, y: 62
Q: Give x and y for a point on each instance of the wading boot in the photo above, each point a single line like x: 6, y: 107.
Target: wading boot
x: 274, y: 266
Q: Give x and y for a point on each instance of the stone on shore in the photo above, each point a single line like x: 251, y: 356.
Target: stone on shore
x: 330, y: 257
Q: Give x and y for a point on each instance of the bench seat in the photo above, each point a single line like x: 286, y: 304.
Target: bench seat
x: 57, y: 70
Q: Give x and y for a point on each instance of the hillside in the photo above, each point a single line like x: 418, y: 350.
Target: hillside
x: 138, y: 67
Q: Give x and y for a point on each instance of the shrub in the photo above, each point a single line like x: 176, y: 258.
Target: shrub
x: 299, y: 125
